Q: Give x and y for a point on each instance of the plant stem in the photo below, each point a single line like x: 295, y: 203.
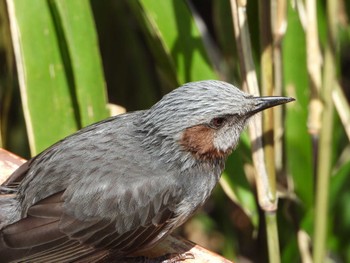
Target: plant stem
x: 267, y: 89
x: 342, y: 107
x: 324, y: 163
x: 267, y: 86
x: 314, y: 69
x: 325, y: 146
x: 278, y: 26
x: 266, y: 198
x: 314, y: 75
x: 272, y: 234
x: 265, y: 178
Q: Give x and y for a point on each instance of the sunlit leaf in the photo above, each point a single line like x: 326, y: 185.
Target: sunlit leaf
x: 59, y: 91
x: 175, y: 27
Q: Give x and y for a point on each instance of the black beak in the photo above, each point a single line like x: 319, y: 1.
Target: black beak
x: 262, y: 103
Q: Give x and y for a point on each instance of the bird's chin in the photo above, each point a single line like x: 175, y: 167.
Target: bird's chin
x: 226, y: 146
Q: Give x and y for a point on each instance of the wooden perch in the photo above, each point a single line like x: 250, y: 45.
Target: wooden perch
x: 172, y: 244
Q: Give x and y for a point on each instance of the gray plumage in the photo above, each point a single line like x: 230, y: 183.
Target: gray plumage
x: 125, y: 183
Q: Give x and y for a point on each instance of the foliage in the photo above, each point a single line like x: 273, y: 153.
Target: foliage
x: 60, y: 59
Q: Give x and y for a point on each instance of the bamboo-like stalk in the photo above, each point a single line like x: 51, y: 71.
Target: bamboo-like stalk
x: 313, y: 62
x: 272, y: 240
x: 325, y: 145
x: 279, y: 26
x: 265, y: 178
x: 342, y: 107
x: 324, y: 162
x: 267, y: 88
x: 304, y: 246
x: 250, y: 83
x: 314, y: 74
x: 314, y: 69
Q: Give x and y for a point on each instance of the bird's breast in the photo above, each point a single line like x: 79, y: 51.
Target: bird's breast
x: 199, y: 185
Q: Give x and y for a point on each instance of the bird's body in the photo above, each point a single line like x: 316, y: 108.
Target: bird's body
x: 124, y: 183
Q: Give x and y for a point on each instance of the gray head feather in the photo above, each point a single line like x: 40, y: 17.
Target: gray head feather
x: 195, y: 103
x: 192, y: 104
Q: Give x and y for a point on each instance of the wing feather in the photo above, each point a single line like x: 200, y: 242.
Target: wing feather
x: 74, y: 201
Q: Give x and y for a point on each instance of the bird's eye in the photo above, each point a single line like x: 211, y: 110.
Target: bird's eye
x: 217, y: 122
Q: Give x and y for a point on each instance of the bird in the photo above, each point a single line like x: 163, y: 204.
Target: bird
x: 125, y: 183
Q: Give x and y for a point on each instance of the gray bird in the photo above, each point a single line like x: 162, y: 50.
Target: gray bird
x: 123, y: 184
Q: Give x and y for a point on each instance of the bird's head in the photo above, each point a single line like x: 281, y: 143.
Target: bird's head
x: 203, y: 118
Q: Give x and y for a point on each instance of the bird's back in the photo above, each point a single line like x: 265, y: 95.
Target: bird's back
x: 95, y: 189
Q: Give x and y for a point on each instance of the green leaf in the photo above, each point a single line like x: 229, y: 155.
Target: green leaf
x: 130, y: 69
x: 180, y: 38
x: 339, y: 219
x: 298, y: 142
x: 56, y: 95
x: 235, y: 183
x: 84, y: 61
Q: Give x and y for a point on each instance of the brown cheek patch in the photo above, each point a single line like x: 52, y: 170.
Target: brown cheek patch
x: 199, y: 140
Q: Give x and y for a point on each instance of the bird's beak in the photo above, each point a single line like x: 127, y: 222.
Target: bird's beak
x: 262, y: 103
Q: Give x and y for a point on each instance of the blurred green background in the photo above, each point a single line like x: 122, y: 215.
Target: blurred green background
x: 64, y: 64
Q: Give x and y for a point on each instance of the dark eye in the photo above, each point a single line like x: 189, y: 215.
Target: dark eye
x: 217, y: 122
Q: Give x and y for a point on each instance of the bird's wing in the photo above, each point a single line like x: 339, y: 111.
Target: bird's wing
x: 49, y: 233
x: 82, y: 194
